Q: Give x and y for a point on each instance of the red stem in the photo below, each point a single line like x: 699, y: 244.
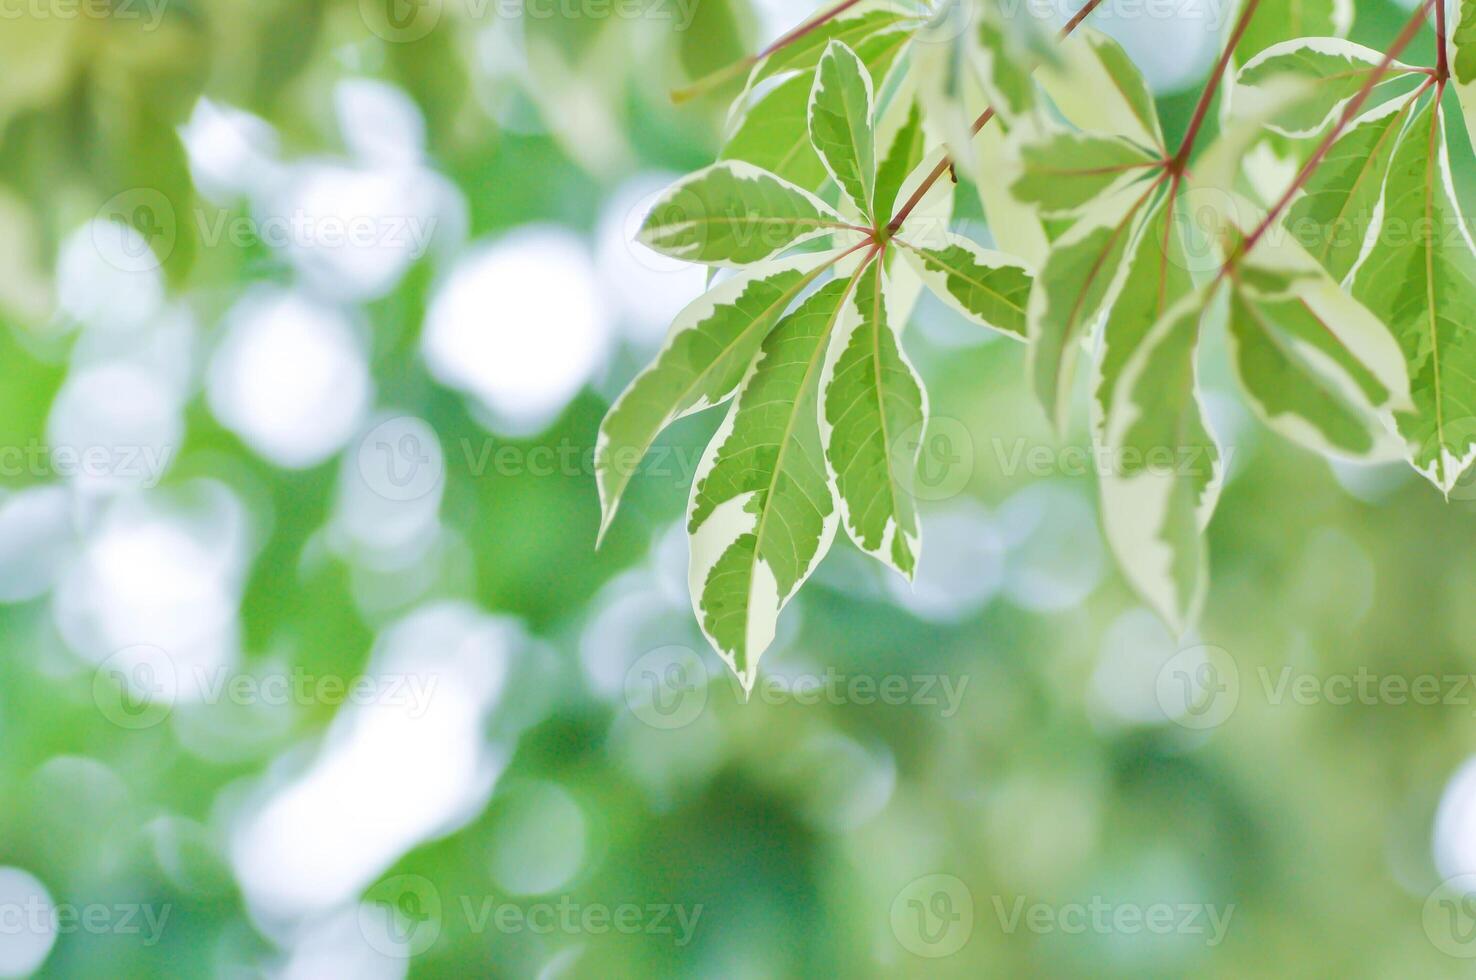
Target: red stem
x: 1349, y: 112
x: 1176, y: 164
x: 1442, y: 66
x: 979, y: 124
x: 805, y: 28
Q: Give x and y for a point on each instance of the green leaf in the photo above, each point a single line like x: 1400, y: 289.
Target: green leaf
x: 1332, y: 71
x: 1333, y: 215
x: 733, y: 213
x: 840, y: 124
x: 1004, y: 62
x: 1099, y: 89
x: 1288, y: 21
x: 874, y: 410
x: 902, y: 158
x: 805, y: 53
x: 1157, y: 277
x: 773, y: 135
x: 710, y: 347
x: 1063, y: 172
x: 1164, y: 475
x: 762, y: 512
x: 1461, y: 53
x: 1082, y: 274
x: 990, y: 288
x: 1419, y: 278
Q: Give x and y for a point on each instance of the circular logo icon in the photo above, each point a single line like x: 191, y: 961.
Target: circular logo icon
x: 400, y: 21
x: 400, y: 459
x: 947, y: 19
x: 667, y: 687
x: 1449, y: 916
x: 944, y: 450
x: 1208, y: 221
x: 933, y: 916
x: 1199, y: 687
x: 136, y: 687
x: 401, y: 916
x: 136, y: 231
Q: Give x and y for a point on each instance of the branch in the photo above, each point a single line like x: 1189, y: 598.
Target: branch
x: 1442, y: 64
x: 1176, y: 164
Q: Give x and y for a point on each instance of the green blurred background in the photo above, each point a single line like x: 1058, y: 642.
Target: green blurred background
x: 309, y: 667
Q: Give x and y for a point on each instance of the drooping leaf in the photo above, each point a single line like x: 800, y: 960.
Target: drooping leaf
x: 762, y: 511
x: 874, y: 408
x: 1065, y: 171
x: 1082, y: 274
x: 841, y: 128
x: 706, y: 354
x: 988, y: 287
x: 1157, y: 277
x: 1164, y: 471
x: 1419, y: 277
x: 1332, y: 71
x: 1099, y: 89
x: 1333, y: 215
x: 733, y: 213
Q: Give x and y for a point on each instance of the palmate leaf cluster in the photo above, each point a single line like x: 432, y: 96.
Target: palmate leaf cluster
x: 828, y: 210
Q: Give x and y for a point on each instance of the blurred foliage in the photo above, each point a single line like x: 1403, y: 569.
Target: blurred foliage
x: 796, y: 828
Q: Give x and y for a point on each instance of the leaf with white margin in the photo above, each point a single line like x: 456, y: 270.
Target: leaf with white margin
x: 1165, y: 473
x: 1157, y: 277
x: 873, y: 415
x: 762, y: 512
x: 840, y: 124
x: 708, y: 350
x: 733, y: 214
x: 1336, y: 211
x: 1004, y: 55
x: 1332, y: 70
x: 1461, y: 55
x: 1082, y: 275
x: 988, y: 287
x: 805, y: 52
x: 1063, y: 172
x: 1099, y: 89
x: 1422, y: 284
x: 1015, y: 227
